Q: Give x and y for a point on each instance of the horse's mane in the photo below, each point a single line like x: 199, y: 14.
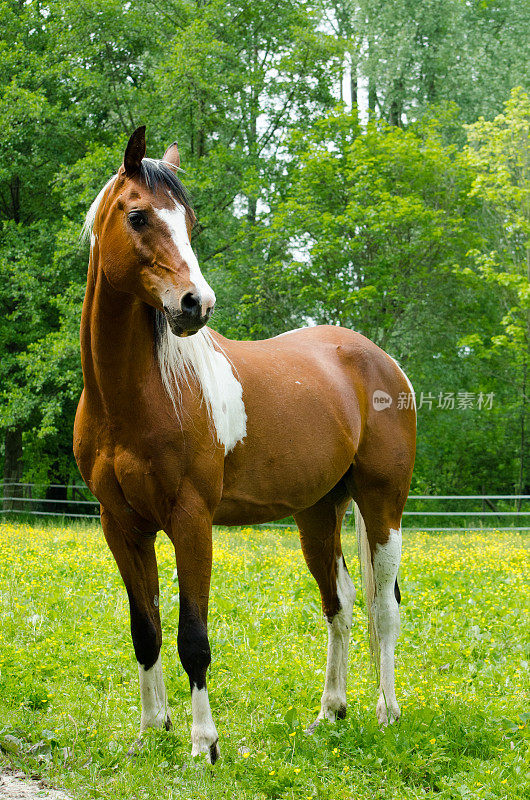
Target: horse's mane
x: 197, y: 357
x: 154, y: 173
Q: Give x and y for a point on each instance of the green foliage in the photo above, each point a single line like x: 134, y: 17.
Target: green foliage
x: 382, y: 218
x: 498, y: 151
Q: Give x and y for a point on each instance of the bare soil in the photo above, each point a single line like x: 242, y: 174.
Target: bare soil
x: 16, y: 786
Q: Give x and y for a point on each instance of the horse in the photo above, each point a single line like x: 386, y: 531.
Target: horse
x: 179, y: 428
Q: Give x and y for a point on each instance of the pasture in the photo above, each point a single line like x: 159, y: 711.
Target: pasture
x: 69, y: 684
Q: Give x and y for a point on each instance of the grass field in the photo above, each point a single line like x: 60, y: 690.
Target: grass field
x: 68, y: 677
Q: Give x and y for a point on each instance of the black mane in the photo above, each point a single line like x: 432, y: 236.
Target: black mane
x: 158, y: 173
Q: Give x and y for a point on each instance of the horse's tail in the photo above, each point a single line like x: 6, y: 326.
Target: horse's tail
x: 368, y: 584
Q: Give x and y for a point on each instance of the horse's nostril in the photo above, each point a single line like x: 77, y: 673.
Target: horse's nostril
x: 190, y: 303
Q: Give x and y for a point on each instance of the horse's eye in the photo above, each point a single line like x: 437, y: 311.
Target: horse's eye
x: 137, y: 219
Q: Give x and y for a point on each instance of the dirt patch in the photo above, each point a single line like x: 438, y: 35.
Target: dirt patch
x: 15, y: 786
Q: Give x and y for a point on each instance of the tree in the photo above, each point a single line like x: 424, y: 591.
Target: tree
x: 58, y: 100
x: 499, y: 152
x: 422, y: 52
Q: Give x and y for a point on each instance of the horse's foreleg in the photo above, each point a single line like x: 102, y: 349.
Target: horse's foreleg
x: 320, y: 538
x: 136, y: 560
x: 192, y: 538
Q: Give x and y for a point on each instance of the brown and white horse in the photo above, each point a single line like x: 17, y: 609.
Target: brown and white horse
x: 175, y: 432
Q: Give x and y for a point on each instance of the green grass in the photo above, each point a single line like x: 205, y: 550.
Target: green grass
x: 68, y: 678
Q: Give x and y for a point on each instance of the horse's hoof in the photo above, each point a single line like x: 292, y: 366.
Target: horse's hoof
x: 330, y: 714
x: 211, y: 752
x: 214, y: 753
x: 387, y: 714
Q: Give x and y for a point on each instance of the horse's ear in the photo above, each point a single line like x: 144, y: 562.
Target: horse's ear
x: 135, y: 151
x: 172, y: 155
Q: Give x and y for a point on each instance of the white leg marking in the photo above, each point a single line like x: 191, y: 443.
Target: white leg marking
x: 203, y: 731
x: 386, y: 615
x: 333, y: 701
x: 155, y: 710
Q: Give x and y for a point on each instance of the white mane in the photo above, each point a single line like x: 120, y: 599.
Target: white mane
x: 197, y: 355
x: 93, y: 210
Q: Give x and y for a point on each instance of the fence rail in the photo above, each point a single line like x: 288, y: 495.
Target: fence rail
x: 77, y: 502
x: 48, y: 500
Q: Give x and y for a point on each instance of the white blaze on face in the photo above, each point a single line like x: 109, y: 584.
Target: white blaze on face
x: 175, y: 219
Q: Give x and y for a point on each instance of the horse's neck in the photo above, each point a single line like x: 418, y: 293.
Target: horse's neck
x: 117, y: 351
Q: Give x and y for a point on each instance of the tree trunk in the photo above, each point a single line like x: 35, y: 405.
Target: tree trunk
x: 372, y: 97
x: 394, y: 117
x: 12, y: 468
x: 353, y: 84
x: 354, y: 96
x: 396, y: 106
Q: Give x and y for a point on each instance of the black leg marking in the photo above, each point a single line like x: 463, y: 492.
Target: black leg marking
x: 146, y: 640
x: 193, y: 645
x: 397, y: 592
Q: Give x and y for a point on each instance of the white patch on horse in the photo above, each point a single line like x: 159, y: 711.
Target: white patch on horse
x: 409, y: 384
x: 198, y: 355
x: 175, y: 219
x: 334, y: 694
x: 155, y: 710
x: 386, y: 562
x: 203, y: 730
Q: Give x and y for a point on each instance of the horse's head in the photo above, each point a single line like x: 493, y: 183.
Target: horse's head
x: 142, y: 224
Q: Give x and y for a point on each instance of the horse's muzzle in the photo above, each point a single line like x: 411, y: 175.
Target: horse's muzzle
x: 189, y: 319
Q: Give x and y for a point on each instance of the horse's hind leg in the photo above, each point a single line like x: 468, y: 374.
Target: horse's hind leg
x: 320, y: 538
x: 381, y: 531
x: 136, y: 560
